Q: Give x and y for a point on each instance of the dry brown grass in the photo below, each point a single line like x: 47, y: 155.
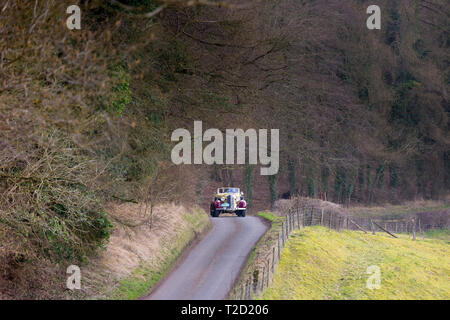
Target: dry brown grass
x: 282, y: 207
x: 131, y: 244
x: 130, y: 247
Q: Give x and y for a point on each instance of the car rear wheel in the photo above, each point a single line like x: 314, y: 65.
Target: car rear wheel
x: 241, y: 213
x: 215, y: 213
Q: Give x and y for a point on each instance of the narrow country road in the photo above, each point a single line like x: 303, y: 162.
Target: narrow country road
x: 211, y: 267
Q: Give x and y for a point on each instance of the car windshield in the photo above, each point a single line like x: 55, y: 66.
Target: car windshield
x: 228, y: 190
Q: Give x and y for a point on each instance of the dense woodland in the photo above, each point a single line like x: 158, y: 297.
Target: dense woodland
x: 86, y: 115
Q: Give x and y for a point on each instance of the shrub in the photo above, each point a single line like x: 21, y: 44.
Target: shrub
x: 48, y: 209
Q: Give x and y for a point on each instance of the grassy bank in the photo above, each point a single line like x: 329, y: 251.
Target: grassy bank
x: 269, y: 239
x: 143, y: 278
x: 318, y: 263
x: 138, y: 256
x: 261, y: 250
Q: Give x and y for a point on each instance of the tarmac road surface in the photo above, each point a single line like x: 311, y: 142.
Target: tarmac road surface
x: 210, y: 269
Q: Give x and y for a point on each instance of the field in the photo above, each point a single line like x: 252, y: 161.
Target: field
x: 319, y: 263
x: 443, y: 234
x: 391, y: 211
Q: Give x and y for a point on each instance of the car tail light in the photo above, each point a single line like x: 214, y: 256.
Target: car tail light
x: 242, y: 204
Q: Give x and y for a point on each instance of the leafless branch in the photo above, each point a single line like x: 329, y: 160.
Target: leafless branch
x: 188, y: 3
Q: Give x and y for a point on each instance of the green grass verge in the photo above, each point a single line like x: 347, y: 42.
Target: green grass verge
x: 269, y: 238
x: 318, y: 263
x: 261, y: 248
x: 146, y: 275
x: 270, y: 216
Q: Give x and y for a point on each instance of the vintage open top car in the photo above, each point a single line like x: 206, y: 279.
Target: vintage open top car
x: 228, y: 200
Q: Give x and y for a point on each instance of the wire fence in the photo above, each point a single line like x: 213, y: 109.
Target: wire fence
x: 299, y: 217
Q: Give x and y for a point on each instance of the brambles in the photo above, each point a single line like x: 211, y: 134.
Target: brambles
x: 47, y: 207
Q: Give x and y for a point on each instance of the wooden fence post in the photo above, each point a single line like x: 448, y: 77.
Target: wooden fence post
x: 254, y: 285
x: 287, y: 230
x: 385, y: 230
x: 331, y: 218
x: 279, y: 247
x: 414, y: 229
x: 294, y: 224
x: 250, y: 288
x: 372, y: 226
x: 273, y: 259
x: 293, y: 220
x: 358, y: 226
x: 321, y: 218
x: 303, y: 218
x: 262, y: 282
x: 289, y: 226
x: 285, y: 233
